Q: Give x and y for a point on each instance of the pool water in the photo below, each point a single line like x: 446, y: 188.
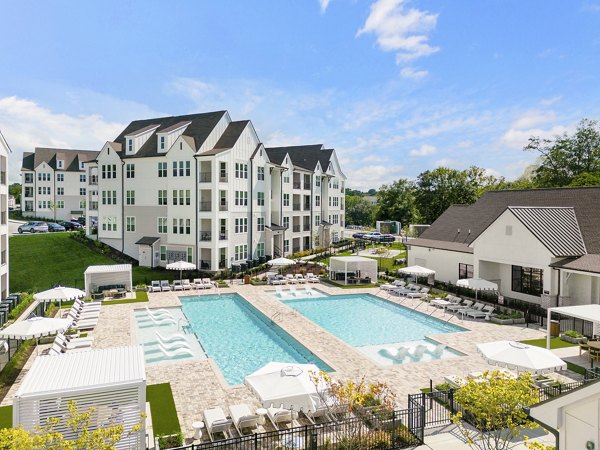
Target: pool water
x: 368, y: 322
x: 239, y: 337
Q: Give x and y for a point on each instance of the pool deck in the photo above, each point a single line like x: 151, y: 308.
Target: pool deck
x: 198, y: 384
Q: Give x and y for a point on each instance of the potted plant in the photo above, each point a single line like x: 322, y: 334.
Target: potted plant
x: 141, y: 287
x: 502, y: 319
x: 517, y: 317
x: 572, y: 336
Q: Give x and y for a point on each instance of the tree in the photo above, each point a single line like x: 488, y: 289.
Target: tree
x: 397, y: 202
x: 49, y: 436
x: 440, y: 188
x: 359, y: 211
x: 493, y: 403
x: 15, y: 190
x: 586, y: 179
x: 565, y: 157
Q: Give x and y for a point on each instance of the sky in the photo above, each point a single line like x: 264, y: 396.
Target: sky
x: 397, y: 87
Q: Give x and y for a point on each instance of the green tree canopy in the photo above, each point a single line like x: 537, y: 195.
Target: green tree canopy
x: 359, y: 211
x: 15, y: 190
x: 566, y: 157
x: 397, y: 202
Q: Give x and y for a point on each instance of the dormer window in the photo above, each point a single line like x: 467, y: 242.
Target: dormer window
x: 60, y: 164
x: 130, y: 145
x: 162, y: 142
x: 81, y: 166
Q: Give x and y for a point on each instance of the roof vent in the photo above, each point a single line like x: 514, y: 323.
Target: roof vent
x: 508, y: 230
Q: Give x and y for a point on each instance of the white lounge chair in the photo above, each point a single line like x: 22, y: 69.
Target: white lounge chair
x: 72, y: 345
x: 290, y: 279
x: 173, y: 345
x: 216, y: 422
x: 437, y: 352
x: 293, y: 291
x: 243, y: 418
x: 162, y: 320
x: 165, y: 286
x: 476, y: 314
x: 72, y: 338
x: 417, y: 353
x: 278, y: 280
x: 171, y: 338
x: 207, y: 283
x: 173, y: 353
x: 455, y: 308
x: 158, y: 313
x: 395, y: 354
x: 300, y: 278
x: 89, y: 305
x: 186, y: 284
x: 420, y: 294
x: 155, y: 286
x: 58, y: 349
x: 309, y: 291
x: 177, y: 286
x: 279, y: 415
x: 312, y: 278
x: 321, y: 411
x: 477, y: 307
x: 198, y: 283
x: 279, y: 291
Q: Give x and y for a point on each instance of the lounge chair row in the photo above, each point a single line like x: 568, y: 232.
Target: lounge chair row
x: 63, y: 343
x: 292, y: 291
x: 293, y: 279
x: 181, y: 285
x: 84, y: 315
x: 464, y: 308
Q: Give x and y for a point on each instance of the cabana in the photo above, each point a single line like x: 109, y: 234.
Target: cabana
x: 591, y: 313
x: 353, y: 269
x: 107, y: 277
x: 110, y: 380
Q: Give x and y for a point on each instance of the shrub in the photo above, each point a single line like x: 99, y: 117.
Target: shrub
x: 573, y: 334
x: 172, y: 440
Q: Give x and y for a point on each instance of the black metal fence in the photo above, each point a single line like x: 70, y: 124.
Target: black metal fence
x: 373, y: 430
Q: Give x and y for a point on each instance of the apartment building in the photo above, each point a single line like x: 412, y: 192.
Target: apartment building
x: 4, y: 152
x: 54, y: 183
x: 204, y: 189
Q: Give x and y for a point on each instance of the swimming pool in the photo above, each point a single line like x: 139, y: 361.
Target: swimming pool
x: 239, y: 337
x: 364, y: 320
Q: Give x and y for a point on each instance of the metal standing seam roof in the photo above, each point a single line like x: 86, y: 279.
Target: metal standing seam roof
x: 108, y: 268
x: 555, y: 227
x: 83, y: 370
x: 352, y: 259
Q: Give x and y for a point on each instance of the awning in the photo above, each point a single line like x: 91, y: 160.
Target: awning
x: 147, y: 240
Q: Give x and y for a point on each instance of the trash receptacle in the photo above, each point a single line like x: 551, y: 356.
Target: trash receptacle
x: 554, y: 328
x: 247, y: 279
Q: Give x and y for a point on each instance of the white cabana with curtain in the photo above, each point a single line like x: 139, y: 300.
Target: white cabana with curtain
x: 342, y: 268
x: 111, y: 380
x: 98, y: 277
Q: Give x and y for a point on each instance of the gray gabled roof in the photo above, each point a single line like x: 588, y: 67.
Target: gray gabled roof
x: 585, y: 263
x: 555, y: 227
x: 229, y: 137
x: 441, y: 245
x: 302, y: 156
x: 71, y: 157
x: 472, y: 220
x: 199, y: 129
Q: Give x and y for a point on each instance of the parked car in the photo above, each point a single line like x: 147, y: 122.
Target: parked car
x: 81, y: 220
x: 386, y: 238
x: 53, y: 227
x: 372, y: 236
x: 34, y: 227
x: 72, y: 226
x: 359, y: 235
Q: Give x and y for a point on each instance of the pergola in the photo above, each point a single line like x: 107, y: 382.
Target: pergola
x: 107, y: 275
x: 591, y: 313
x: 361, y: 267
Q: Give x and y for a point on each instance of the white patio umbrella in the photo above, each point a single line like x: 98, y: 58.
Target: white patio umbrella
x: 477, y: 284
x: 417, y: 271
x: 285, y: 384
x: 280, y: 262
x: 60, y: 293
x: 35, y: 328
x: 523, y: 357
x: 181, y: 266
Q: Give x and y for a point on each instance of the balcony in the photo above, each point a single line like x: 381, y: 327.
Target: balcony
x: 297, y: 185
x: 205, y: 206
x: 223, y: 206
x: 307, y: 186
x: 205, y: 177
x: 307, y: 207
x: 94, y: 180
x: 223, y: 236
x: 204, y: 264
x: 296, y: 249
x: 93, y: 206
x: 205, y: 236
x: 296, y: 207
x: 222, y: 264
x: 306, y: 227
x: 296, y: 229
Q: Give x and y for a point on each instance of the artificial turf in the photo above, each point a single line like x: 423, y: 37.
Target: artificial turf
x: 6, y: 416
x: 554, y: 343
x: 162, y: 407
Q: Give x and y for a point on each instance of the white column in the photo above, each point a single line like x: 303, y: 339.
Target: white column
x: 548, y: 329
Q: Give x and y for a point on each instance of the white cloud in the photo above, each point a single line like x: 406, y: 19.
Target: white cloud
x: 534, y: 118
x: 324, y: 4
x: 550, y: 101
x: 401, y: 30
x: 532, y: 123
x: 413, y: 74
x: 373, y: 176
x: 445, y: 162
x: 424, y: 150
x: 27, y: 125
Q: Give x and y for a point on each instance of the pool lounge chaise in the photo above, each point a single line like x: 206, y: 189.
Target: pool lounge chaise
x: 475, y: 314
x: 279, y: 415
x: 243, y: 418
x: 155, y: 286
x: 165, y: 286
x: 216, y: 422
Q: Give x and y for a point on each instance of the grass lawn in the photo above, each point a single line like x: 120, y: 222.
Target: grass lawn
x: 162, y: 407
x: 38, y: 262
x: 554, y: 343
x: 13, y: 368
x: 6, y: 416
x: 139, y: 297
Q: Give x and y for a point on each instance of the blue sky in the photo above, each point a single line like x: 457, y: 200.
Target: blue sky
x: 396, y: 86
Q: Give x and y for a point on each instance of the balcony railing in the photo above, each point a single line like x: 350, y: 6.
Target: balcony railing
x: 94, y: 181
x: 307, y: 207
x: 205, y: 177
x: 205, y: 236
x: 205, y: 264
x: 28, y: 194
x: 222, y: 264
x: 296, y: 249
x: 222, y: 236
x: 296, y: 229
x: 223, y: 178
x: 205, y: 206
x: 223, y: 206
x: 307, y: 186
x: 93, y: 206
x: 306, y: 227
x: 296, y: 206
x: 297, y: 185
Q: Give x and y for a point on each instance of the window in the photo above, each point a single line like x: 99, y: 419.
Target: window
x: 318, y: 200
x: 29, y: 177
x: 130, y: 170
x: 465, y: 271
x: 260, y: 173
x: 260, y: 198
x: 162, y: 142
x: 181, y: 168
x: 317, y: 220
x: 162, y: 197
x: 190, y: 254
x: 286, y: 178
x: 286, y: 246
x: 527, y: 280
x: 129, y: 145
x: 188, y: 226
x: 109, y: 171
x: 162, y: 225
x: 162, y: 170
x: 241, y: 252
x: 130, y: 224
x: 130, y: 197
x: 60, y: 164
x: 81, y: 191
x: 182, y: 226
x: 241, y: 225
x: 241, y: 170
x: 223, y: 171
x: 286, y: 199
x: 318, y: 181
x: 60, y: 204
x: 330, y: 201
x: 260, y: 224
x: 181, y: 197
x: 82, y: 178
x: 260, y: 249
x: 163, y: 252
x: 241, y: 198
x: 286, y: 222
x: 109, y: 197
x: 188, y: 197
x: 60, y: 191
x: 336, y: 201
x: 335, y: 219
x: 109, y: 224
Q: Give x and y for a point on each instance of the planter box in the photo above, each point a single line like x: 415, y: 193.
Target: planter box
x: 519, y: 321
x: 572, y: 340
x: 501, y: 321
x: 141, y: 289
